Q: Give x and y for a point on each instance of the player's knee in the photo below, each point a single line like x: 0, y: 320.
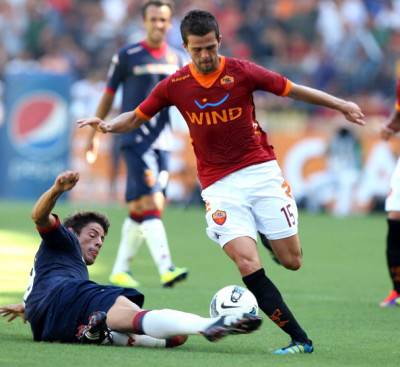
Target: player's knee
x: 292, y: 262
x: 176, y: 341
x: 247, y: 265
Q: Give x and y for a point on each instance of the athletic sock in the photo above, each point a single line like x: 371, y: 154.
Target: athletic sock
x: 154, y: 233
x: 131, y: 240
x: 133, y: 340
x: 162, y: 324
x: 271, y: 302
x: 393, y: 252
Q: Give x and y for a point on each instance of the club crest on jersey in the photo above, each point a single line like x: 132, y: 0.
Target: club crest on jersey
x: 227, y: 79
x: 219, y: 217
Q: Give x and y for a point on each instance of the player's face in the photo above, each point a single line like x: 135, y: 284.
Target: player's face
x: 157, y: 22
x: 91, y: 240
x: 203, y: 51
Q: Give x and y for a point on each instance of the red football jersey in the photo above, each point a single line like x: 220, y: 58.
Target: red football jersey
x: 220, y: 113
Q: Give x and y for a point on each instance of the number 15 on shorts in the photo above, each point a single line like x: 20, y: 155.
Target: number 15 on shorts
x: 290, y: 218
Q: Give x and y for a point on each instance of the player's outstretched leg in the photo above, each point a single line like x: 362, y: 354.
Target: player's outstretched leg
x: 124, y: 316
x: 227, y: 325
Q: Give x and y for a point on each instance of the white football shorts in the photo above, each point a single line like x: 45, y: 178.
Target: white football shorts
x: 255, y: 198
x: 392, y: 202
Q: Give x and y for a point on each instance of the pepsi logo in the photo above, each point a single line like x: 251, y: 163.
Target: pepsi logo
x: 38, y: 125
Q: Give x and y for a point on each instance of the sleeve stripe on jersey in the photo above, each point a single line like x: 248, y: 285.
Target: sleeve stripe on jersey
x: 54, y: 226
x: 142, y: 115
x: 288, y: 88
x: 110, y: 91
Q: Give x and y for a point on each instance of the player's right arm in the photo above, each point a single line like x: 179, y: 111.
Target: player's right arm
x: 41, y: 212
x: 123, y: 123
x: 102, y: 111
x: 131, y: 120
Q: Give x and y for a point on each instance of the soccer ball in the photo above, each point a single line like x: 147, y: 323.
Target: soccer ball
x: 233, y: 300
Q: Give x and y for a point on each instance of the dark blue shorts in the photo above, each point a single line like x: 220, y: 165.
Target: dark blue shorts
x: 151, y: 162
x: 71, y: 306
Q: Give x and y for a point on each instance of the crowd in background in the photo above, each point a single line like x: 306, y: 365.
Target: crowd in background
x: 350, y: 48
x: 347, y: 47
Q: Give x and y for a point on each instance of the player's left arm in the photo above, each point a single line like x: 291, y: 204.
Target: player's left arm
x: 41, y: 212
x: 350, y: 110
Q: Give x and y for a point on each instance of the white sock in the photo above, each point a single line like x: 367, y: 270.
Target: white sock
x: 156, y: 238
x: 165, y: 323
x: 131, y: 240
x: 133, y: 340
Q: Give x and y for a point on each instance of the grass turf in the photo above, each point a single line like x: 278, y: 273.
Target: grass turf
x: 334, y: 295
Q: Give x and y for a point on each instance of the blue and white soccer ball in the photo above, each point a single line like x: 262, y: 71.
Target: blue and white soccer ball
x: 233, y: 300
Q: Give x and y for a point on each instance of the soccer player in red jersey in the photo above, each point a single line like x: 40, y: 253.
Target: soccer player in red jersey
x: 243, y: 186
x: 392, y: 207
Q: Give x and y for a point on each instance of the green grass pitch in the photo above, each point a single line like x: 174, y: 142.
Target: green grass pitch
x: 334, y: 296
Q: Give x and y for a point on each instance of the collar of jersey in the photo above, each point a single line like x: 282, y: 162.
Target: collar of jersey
x: 207, y: 80
x: 157, y: 53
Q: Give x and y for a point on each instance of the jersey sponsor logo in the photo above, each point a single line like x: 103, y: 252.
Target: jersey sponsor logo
x: 219, y: 217
x: 38, y: 125
x: 180, y: 78
x: 163, y: 69
x: 211, y: 104
x: 214, y: 117
x: 227, y: 79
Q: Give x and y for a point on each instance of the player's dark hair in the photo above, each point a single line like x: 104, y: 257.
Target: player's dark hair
x: 198, y: 23
x: 79, y: 220
x: 157, y: 3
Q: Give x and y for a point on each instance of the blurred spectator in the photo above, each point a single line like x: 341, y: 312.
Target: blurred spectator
x: 334, y: 189
x: 337, y: 45
x: 346, y: 47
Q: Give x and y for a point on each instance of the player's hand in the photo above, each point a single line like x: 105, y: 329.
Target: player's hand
x: 92, y: 149
x: 353, y: 113
x: 96, y: 123
x: 66, y: 181
x: 13, y: 311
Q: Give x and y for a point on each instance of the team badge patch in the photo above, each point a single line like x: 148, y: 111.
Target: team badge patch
x: 219, y: 217
x: 227, y: 79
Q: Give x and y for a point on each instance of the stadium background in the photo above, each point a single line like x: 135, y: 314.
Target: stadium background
x: 346, y: 47
x: 349, y: 48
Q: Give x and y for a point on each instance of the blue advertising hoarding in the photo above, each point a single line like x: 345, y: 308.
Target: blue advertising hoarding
x: 35, y: 138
